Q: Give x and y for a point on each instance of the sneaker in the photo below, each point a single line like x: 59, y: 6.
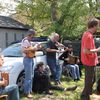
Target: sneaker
x: 75, y: 80
x: 71, y: 88
x: 30, y: 96
x: 78, y: 79
x: 49, y: 92
x: 59, y: 82
x: 56, y: 82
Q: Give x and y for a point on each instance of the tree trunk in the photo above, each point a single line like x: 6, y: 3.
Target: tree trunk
x: 54, y: 11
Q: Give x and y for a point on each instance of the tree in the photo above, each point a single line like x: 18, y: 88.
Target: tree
x: 1, y: 7
x: 66, y: 17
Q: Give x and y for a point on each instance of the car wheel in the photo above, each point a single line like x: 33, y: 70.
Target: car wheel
x: 20, y: 81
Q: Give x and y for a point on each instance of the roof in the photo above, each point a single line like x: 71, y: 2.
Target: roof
x: 8, y: 22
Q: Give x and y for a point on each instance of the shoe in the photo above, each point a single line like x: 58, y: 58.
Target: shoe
x: 71, y: 88
x: 56, y: 82
x: 75, y: 80
x: 30, y: 96
x: 78, y: 79
x: 59, y: 82
x: 49, y: 92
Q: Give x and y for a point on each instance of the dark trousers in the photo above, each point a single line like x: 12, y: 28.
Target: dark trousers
x: 42, y: 83
x: 55, y: 87
x: 89, y: 80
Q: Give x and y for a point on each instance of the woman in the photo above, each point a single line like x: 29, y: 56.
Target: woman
x: 28, y: 53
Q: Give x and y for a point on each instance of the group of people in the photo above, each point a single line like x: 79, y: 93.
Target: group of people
x: 35, y: 77
x: 51, y: 50
x: 53, y: 62
x: 88, y: 58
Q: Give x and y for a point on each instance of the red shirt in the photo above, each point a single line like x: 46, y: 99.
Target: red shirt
x: 88, y: 43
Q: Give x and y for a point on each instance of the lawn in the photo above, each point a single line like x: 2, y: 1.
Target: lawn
x: 65, y: 95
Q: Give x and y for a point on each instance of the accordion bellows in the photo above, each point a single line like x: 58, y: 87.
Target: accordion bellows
x: 72, y: 59
x: 5, y: 75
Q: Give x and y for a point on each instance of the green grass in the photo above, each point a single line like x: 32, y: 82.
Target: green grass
x: 64, y: 95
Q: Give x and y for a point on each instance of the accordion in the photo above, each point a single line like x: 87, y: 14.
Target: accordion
x: 72, y: 59
x: 5, y: 75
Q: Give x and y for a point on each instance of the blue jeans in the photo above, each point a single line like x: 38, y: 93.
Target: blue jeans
x: 58, y: 70
x: 74, y: 69
x: 12, y: 91
x: 29, y: 74
x: 55, y: 68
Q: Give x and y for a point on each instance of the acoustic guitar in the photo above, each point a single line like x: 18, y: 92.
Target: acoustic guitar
x: 30, y: 53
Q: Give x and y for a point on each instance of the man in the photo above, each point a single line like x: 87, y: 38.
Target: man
x: 10, y: 90
x: 51, y: 57
x: 72, y: 66
x: 42, y: 84
x: 89, y: 57
x: 28, y: 53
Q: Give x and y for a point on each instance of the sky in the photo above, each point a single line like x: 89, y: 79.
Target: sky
x: 9, y: 7
x: 5, y: 1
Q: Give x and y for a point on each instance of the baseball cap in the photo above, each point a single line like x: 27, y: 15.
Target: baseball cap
x: 31, y: 31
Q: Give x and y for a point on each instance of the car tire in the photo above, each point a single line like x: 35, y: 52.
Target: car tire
x: 20, y: 81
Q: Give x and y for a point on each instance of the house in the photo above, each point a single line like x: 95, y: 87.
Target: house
x: 10, y: 31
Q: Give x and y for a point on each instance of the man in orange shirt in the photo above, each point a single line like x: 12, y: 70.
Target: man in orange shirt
x: 89, y: 57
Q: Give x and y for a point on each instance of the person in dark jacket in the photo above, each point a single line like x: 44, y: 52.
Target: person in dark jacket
x: 73, y: 67
x: 42, y: 84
